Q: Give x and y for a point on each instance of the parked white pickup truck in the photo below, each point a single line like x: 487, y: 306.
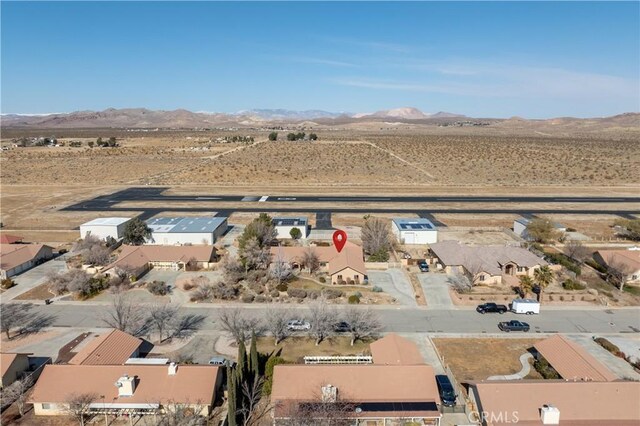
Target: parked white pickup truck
x: 525, y: 306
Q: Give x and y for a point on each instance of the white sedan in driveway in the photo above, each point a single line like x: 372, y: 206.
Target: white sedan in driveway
x: 298, y: 325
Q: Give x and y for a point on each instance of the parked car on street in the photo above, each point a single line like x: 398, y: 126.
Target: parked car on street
x: 447, y: 393
x: 513, y: 325
x: 423, y: 265
x: 491, y: 308
x: 342, y: 327
x: 220, y: 360
x: 298, y: 325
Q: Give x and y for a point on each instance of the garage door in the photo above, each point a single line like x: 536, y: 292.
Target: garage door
x: 409, y: 237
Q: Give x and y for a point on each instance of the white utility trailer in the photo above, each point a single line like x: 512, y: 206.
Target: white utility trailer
x: 525, y: 306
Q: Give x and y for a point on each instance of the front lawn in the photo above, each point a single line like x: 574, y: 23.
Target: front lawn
x: 294, y: 348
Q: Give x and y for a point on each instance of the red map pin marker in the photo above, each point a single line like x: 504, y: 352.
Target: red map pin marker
x: 339, y: 239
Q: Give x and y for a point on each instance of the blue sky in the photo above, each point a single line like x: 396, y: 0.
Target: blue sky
x: 499, y: 59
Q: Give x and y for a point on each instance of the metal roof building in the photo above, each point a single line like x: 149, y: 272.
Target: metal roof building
x: 103, y: 227
x: 186, y: 230
x: 414, y: 231
x: 284, y: 225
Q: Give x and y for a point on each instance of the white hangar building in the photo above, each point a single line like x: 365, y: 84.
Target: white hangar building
x: 104, y: 227
x: 414, y: 231
x: 284, y: 225
x: 186, y: 230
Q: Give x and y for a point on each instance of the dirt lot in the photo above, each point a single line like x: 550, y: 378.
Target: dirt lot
x: 479, y: 358
x: 295, y: 348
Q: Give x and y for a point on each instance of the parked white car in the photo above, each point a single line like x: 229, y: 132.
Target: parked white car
x: 298, y: 325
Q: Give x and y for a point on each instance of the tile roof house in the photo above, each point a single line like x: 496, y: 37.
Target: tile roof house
x: 572, y: 361
x: 395, y: 350
x: 140, y: 259
x: 625, y: 261
x: 10, y: 239
x: 112, y: 348
x: 131, y: 389
x: 539, y: 402
x: 17, y: 258
x: 485, y: 264
x: 12, y: 365
x: 370, y: 393
x: 346, y: 266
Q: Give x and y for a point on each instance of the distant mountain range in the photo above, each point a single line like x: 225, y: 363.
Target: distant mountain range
x: 181, y: 118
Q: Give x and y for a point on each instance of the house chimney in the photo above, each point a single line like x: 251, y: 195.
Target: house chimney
x: 329, y: 393
x: 550, y: 415
x: 126, y: 385
x: 173, y: 369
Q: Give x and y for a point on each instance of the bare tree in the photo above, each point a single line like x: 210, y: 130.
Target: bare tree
x: 322, y: 318
x: 376, y: 237
x: 16, y: 393
x: 473, y: 268
x: 232, y: 270
x: 253, y: 411
x: 281, y: 269
x: 237, y: 324
x: 321, y: 411
x: 181, y: 414
x: 363, y: 323
x: 162, y: 318
x: 616, y: 273
x: 13, y: 316
x: 96, y: 255
x: 275, y: 321
x: 74, y: 280
x: 576, y: 251
x: 310, y: 260
x: 460, y: 283
x: 77, y: 406
x: 124, y: 315
x: 86, y: 243
x: 256, y: 256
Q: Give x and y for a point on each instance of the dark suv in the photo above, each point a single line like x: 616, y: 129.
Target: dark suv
x: 447, y: 393
x: 423, y: 265
x: 491, y: 308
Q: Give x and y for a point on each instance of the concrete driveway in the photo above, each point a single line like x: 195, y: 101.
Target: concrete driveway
x: 436, y: 290
x: 33, y: 277
x: 395, y: 283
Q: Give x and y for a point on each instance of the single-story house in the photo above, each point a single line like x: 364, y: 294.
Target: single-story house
x: 139, y: 259
x: 12, y: 366
x: 556, y: 402
x: 105, y: 227
x: 366, y: 394
x: 347, y: 266
x: 112, y: 348
x: 521, y: 223
x: 10, y: 239
x: 484, y: 264
x: 284, y: 225
x: 186, y: 230
x: 131, y: 389
x: 17, y: 258
x: 395, y: 350
x: 414, y: 231
x: 626, y: 262
x: 572, y: 361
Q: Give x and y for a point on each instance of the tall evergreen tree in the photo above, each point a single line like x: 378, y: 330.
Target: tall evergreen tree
x: 231, y: 396
x: 254, y: 362
x: 242, y: 363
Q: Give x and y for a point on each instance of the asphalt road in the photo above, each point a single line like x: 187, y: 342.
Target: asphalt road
x: 399, y: 319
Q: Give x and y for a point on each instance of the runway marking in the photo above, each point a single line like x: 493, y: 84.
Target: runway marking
x: 353, y: 199
x: 286, y: 198
x: 263, y: 198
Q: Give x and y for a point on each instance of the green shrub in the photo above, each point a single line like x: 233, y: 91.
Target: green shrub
x: 561, y: 259
x: 297, y: 292
x: 570, y: 284
x: 282, y: 287
x: 332, y: 293
x: 247, y: 298
x: 542, y: 366
x: 381, y: 255
x: 376, y: 289
x: 609, y: 346
x: 268, y: 373
x: 354, y: 299
x: 322, y: 280
x: 313, y: 294
x: 595, y: 265
x: 7, y: 283
x: 159, y: 288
